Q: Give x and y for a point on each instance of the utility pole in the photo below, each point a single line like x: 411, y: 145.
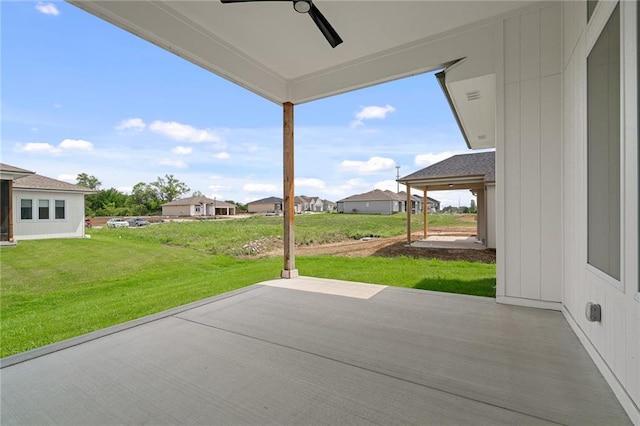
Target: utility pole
x: 398, y: 177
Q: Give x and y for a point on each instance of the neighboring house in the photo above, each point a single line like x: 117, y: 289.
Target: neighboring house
x: 302, y: 203
x: 475, y: 172
x: 417, y: 203
x: 374, y: 202
x: 198, y: 206
x: 40, y: 207
x: 265, y: 205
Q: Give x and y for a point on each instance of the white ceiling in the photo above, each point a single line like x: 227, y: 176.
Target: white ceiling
x: 281, y: 55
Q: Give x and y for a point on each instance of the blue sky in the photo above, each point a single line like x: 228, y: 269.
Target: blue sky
x: 80, y: 95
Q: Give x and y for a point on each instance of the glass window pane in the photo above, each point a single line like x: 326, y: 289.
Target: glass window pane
x: 603, y: 149
x: 59, y: 209
x: 26, y: 209
x: 43, y: 209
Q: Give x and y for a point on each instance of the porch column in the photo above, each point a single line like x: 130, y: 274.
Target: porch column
x: 408, y: 214
x: 289, y: 270
x: 425, y: 218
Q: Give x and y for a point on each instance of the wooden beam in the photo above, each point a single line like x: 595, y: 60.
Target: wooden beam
x: 289, y: 270
x: 408, y: 214
x: 425, y: 219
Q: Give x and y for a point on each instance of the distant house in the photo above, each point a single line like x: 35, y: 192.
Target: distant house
x: 198, y: 206
x: 417, y: 203
x: 374, y: 202
x: 265, y: 205
x: 475, y: 172
x: 37, y: 207
x: 303, y: 203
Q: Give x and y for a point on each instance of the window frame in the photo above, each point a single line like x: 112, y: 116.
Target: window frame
x: 22, y: 211
x: 55, y: 209
x: 41, y: 207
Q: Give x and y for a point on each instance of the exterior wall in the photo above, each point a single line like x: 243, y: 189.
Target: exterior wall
x: 371, y: 207
x: 261, y: 208
x: 528, y: 162
x: 72, y: 226
x: 613, y: 343
x: 179, y: 211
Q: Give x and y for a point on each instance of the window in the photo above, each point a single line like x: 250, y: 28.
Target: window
x: 60, y: 209
x: 603, y: 150
x: 26, y: 209
x: 43, y: 209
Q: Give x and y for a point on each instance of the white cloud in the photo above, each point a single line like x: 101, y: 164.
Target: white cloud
x: 371, y: 112
x: 76, y: 144
x: 179, y: 164
x: 184, y: 132
x: 312, y: 183
x: 37, y: 147
x: 136, y: 124
x: 373, y: 165
x: 125, y: 189
x: 433, y: 157
x: 259, y: 187
x: 222, y: 156
x: 182, y: 150
x: 47, y: 8
x: 67, y: 178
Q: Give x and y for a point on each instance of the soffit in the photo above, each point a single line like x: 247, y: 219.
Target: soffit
x: 279, y: 54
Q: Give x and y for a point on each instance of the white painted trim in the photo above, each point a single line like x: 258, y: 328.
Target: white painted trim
x: 501, y: 271
x: 603, y: 276
x: 598, y: 21
x: 627, y: 403
x: 529, y: 303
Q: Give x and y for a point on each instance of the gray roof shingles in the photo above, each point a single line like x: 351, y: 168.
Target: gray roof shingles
x: 9, y: 168
x: 48, y: 184
x: 478, y: 163
x: 190, y: 201
x: 375, y: 195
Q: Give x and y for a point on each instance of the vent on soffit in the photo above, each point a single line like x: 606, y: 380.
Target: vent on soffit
x: 473, y: 96
x: 482, y: 137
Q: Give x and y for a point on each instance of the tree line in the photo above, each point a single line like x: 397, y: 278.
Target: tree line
x: 146, y: 199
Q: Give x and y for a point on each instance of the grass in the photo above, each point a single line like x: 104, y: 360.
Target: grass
x: 233, y: 236
x: 52, y: 290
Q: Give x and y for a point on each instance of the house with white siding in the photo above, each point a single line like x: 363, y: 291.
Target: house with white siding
x: 41, y: 207
x: 198, y: 206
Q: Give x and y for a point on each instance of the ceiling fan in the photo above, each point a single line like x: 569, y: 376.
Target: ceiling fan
x: 307, y: 6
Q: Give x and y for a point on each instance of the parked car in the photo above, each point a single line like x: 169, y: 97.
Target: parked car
x: 138, y: 221
x: 117, y: 222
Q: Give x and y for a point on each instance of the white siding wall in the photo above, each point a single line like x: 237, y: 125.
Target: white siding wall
x: 373, y: 207
x: 35, y: 229
x: 531, y: 157
x: 614, y: 343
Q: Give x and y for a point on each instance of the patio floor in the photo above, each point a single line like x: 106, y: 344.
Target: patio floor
x: 326, y: 352
x: 449, y: 242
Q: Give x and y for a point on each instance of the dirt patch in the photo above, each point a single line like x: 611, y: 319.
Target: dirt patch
x: 396, y: 246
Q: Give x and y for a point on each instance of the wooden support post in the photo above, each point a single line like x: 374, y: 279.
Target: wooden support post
x: 408, y: 214
x: 289, y: 270
x: 425, y: 219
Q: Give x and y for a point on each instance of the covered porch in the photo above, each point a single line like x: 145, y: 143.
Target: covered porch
x: 315, y: 351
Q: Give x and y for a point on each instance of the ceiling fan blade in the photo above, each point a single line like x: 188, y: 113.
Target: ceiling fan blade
x: 324, y: 26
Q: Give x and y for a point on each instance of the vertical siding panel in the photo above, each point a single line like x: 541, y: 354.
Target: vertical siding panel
x: 551, y: 182
x: 530, y: 46
x: 632, y: 356
x: 512, y: 50
x: 512, y: 189
x: 530, y: 187
x: 550, y: 48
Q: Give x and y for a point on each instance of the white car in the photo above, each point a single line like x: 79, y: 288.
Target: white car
x: 117, y: 222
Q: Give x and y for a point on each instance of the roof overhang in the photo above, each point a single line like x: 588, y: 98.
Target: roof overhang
x: 446, y: 183
x: 279, y: 54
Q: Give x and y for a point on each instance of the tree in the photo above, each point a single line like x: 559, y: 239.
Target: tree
x: 169, y: 188
x: 197, y: 194
x: 146, y: 196
x: 473, y: 208
x: 87, y: 181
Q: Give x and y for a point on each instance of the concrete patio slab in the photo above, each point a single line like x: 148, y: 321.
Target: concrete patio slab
x: 449, y: 242
x: 275, y: 355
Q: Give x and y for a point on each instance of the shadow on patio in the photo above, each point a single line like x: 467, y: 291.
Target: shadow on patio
x: 325, y: 352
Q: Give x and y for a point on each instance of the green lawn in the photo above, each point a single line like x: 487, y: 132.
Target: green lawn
x: 51, y: 290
